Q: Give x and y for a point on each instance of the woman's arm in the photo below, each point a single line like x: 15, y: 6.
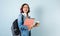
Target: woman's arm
x: 36, y: 25
x: 20, y: 23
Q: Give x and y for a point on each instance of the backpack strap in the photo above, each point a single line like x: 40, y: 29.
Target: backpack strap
x: 22, y: 19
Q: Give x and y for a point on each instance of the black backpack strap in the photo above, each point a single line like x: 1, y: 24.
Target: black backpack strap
x: 22, y: 19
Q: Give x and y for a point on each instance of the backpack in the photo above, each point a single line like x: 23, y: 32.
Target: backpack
x: 15, y: 27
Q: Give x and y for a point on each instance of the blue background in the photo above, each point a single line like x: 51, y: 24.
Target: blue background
x: 45, y: 11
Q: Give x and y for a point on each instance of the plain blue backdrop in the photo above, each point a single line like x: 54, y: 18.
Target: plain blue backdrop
x: 45, y: 11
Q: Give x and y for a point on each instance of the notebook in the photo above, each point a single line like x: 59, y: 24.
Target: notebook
x: 29, y: 22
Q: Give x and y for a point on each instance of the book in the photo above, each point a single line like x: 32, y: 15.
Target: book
x: 29, y: 22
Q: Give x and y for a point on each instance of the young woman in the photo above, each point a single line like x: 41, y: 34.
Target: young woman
x: 25, y: 9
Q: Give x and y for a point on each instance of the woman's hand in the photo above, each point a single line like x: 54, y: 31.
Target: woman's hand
x: 36, y: 25
x: 30, y: 27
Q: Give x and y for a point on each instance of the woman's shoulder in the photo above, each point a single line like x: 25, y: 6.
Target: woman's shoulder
x: 20, y: 15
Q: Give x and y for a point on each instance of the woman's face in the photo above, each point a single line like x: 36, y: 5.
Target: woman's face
x: 25, y: 8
